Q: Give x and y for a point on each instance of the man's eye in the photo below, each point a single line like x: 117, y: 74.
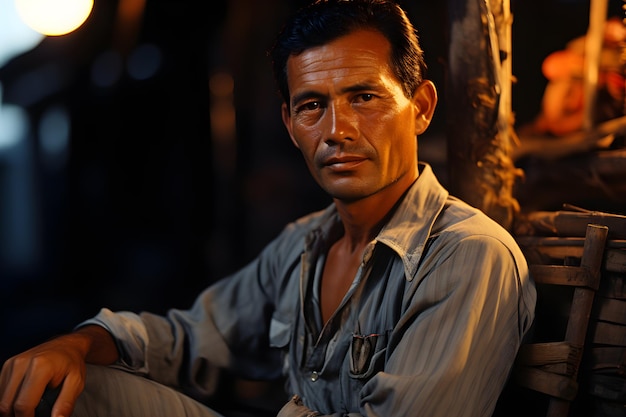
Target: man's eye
x: 366, y: 97
x: 309, y: 106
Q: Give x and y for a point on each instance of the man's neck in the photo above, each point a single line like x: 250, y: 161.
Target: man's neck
x: 363, y: 219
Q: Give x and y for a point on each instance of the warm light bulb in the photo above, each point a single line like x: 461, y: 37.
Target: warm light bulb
x: 54, y: 17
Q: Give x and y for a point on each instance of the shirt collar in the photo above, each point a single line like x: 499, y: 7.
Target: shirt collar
x: 410, y: 226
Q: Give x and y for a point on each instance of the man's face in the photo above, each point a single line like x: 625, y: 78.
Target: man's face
x: 350, y: 118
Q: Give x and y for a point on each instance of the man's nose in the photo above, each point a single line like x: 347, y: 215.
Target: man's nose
x: 339, y: 123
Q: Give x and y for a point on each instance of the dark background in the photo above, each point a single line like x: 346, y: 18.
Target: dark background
x: 147, y: 205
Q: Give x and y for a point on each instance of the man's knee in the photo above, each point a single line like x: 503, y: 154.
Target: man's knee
x: 112, y: 392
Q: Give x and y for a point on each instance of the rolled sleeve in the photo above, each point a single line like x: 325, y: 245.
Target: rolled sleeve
x: 131, y: 337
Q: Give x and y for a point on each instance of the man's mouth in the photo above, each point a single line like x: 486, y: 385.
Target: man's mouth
x: 343, y: 162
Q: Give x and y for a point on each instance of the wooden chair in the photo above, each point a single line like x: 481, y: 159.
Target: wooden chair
x: 567, y: 280
x: 604, y: 364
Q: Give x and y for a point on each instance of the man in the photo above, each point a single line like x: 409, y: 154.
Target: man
x: 397, y: 300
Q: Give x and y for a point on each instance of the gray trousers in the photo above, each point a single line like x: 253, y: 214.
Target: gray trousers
x: 114, y: 393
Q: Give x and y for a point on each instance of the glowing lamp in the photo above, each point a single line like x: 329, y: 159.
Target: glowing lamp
x: 54, y: 18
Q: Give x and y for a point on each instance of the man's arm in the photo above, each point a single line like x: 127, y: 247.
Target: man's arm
x: 459, y: 337
x: 58, y: 362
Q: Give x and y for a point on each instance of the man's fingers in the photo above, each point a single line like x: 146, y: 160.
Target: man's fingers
x: 35, y: 381
x: 70, y: 390
x: 9, y: 385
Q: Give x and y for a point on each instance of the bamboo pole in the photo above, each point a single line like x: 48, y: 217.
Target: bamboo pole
x: 593, y: 48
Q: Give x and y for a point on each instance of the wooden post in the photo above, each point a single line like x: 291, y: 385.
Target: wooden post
x: 593, y: 48
x: 479, y: 129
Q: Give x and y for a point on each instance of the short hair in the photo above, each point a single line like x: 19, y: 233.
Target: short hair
x: 326, y: 20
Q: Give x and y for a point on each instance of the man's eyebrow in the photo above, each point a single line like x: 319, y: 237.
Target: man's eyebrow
x: 306, y: 95
x: 359, y: 87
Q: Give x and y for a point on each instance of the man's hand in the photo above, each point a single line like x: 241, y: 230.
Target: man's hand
x: 60, y: 363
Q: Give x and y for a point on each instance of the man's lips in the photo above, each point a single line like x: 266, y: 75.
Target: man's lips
x: 343, y: 162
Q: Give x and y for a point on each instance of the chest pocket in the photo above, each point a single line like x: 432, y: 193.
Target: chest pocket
x: 367, y: 355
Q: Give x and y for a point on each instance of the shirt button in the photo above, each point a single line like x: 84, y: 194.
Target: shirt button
x: 314, y: 376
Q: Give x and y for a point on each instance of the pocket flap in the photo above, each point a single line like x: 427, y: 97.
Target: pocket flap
x: 280, y: 333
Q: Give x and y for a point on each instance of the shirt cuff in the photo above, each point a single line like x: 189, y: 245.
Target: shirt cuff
x: 130, y: 335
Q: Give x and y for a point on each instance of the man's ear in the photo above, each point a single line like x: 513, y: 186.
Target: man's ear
x: 425, y: 100
x: 286, y: 114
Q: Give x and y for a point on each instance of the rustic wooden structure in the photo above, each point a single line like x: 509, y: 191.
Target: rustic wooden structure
x: 479, y: 129
x: 586, y: 364
x: 552, y: 367
x: 484, y: 148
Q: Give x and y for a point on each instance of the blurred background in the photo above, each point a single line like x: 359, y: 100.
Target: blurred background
x: 142, y: 155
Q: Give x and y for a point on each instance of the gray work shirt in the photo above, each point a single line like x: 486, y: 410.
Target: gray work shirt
x: 430, y: 326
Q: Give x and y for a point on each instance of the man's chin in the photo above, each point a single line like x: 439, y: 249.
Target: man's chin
x: 347, y: 194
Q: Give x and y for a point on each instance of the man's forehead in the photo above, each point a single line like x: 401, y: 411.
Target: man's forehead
x: 355, y: 42
x: 360, y: 52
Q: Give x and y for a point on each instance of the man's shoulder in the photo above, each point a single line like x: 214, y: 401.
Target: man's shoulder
x: 303, y: 226
x: 459, y: 220
x: 312, y: 220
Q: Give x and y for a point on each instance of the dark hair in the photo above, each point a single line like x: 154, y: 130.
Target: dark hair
x: 326, y: 20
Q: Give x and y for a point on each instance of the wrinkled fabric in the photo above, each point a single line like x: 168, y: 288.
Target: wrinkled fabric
x: 430, y: 326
